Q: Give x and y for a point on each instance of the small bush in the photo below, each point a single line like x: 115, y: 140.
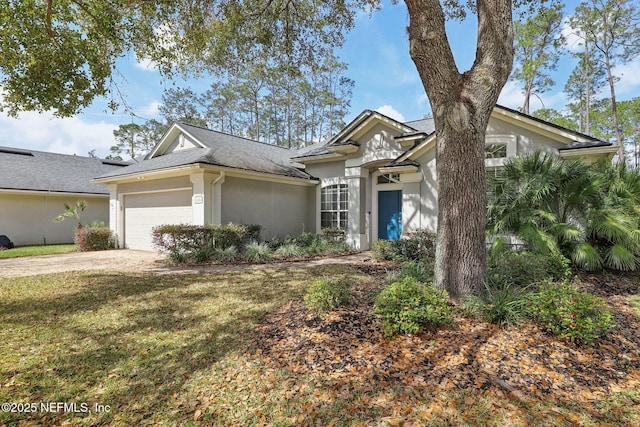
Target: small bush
x: 419, y: 271
x: 333, y: 234
x: 305, y: 239
x: 568, y: 313
x: 257, y: 252
x: 502, y: 304
x: 526, y: 268
x: 193, y: 241
x: 414, y: 246
x: 408, y: 306
x: 326, y: 295
x: 225, y: 255
x: 94, y: 239
x: 382, y: 250
x: 289, y: 250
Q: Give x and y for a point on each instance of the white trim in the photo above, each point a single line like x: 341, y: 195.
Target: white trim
x: 167, y: 139
x: 180, y: 170
x: 582, y: 152
x: 375, y: 188
x: 52, y: 193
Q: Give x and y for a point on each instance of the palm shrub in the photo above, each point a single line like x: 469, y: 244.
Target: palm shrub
x: 568, y: 206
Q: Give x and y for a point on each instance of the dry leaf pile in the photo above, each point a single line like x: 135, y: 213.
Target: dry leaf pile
x: 348, y: 346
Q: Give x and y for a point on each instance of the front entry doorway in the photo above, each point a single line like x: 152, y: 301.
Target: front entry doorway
x: 389, y: 215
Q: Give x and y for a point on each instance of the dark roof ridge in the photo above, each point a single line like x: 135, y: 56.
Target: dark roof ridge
x: 235, y: 136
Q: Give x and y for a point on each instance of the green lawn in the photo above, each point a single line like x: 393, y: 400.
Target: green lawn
x: 178, y: 350
x: 23, y: 251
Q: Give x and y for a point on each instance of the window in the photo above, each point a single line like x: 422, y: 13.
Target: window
x: 389, y: 178
x: 495, y: 151
x: 334, y: 206
x: 492, y: 182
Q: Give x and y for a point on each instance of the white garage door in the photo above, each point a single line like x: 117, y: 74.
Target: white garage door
x: 142, y: 212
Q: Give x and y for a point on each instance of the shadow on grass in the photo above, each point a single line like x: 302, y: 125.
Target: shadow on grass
x: 129, y: 341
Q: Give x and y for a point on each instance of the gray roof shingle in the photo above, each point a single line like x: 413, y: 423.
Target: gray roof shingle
x: 221, y: 150
x: 31, y: 170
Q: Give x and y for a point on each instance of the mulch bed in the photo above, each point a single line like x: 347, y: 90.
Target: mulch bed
x: 348, y: 345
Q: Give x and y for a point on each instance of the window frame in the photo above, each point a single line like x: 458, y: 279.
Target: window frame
x: 334, y: 206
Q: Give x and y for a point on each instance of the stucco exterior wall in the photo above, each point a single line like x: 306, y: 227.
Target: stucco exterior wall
x: 326, y: 169
x: 27, y: 219
x: 527, y: 140
x: 280, y: 209
x: 163, y: 184
x: 428, y: 191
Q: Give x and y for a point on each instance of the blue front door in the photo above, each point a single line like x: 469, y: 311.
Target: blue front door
x: 389, y: 215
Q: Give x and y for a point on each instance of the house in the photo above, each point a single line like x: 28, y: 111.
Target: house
x: 34, y: 186
x: 376, y: 178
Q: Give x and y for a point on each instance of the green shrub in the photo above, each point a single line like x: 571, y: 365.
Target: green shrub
x: 305, y: 239
x: 566, y: 312
x: 408, y: 306
x: 526, y: 268
x: 191, y: 240
x: 502, y: 304
x: 326, y: 295
x: 382, y: 250
x: 333, y: 234
x: 289, y: 250
x: 420, y: 271
x: 225, y: 255
x: 203, y: 255
x: 94, y: 239
x: 257, y: 252
x: 414, y: 246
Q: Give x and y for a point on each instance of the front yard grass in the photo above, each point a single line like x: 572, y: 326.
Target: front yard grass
x: 23, y: 251
x: 181, y: 350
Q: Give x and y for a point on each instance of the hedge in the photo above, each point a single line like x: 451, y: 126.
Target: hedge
x: 189, y: 239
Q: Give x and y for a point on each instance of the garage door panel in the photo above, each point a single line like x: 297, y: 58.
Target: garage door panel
x: 145, y: 211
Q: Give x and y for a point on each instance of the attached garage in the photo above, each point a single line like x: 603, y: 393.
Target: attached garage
x: 144, y: 211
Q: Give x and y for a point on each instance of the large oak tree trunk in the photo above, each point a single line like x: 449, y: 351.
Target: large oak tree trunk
x: 462, y: 104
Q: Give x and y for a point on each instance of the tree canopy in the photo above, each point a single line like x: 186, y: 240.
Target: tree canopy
x: 60, y: 55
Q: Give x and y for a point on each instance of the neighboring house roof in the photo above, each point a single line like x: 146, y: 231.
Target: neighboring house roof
x: 217, y: 149
x: 30, y: 170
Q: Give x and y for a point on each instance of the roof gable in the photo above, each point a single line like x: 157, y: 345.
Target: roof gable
x: 571, y: 139
x: 346, y: 141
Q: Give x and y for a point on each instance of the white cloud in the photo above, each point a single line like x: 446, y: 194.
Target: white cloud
x: 574, y: 38
x: 145, y: 64
x: 44, y: 132
x: 629, y: 79
x: 511, y: 95
x: 389, y: 111
x: 149, y: 110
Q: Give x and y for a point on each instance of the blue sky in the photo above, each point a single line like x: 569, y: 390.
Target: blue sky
x: 377, y: 52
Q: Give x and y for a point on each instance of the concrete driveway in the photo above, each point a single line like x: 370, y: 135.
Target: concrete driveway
x: 116, y: 260
x: 128, y: 260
